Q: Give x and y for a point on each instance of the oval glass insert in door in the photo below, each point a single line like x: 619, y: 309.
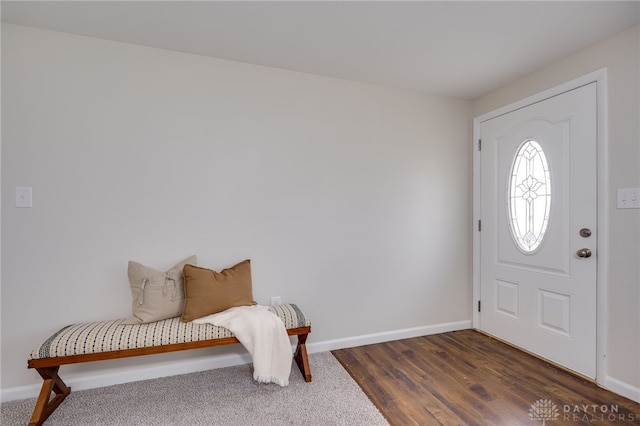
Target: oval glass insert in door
x: 529, y: 196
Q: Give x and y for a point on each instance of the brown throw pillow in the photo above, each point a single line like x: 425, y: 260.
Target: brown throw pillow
x: 208, y: 292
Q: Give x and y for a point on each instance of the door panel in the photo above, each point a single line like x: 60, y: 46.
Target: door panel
x: 544, y: 299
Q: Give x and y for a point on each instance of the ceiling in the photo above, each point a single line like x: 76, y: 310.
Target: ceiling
x: 450, y: 48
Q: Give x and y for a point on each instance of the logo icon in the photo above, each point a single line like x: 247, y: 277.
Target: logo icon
x: 544, y: 409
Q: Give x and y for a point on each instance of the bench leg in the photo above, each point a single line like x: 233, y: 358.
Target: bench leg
x: 301, y: 358
x: 45, y: 405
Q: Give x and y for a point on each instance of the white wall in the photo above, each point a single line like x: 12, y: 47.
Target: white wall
x: 621, y: 56
x: 352, y: 200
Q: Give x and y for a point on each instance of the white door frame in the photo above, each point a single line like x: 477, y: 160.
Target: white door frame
x: 602, y: 245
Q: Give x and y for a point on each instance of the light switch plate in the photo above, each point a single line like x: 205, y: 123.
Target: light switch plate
x: 23, y: 196
x: 628, y: 198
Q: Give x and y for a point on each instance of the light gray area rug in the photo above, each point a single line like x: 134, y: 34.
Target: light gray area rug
x: 226, y: 396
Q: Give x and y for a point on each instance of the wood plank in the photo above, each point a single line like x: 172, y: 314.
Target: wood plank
x: 468, y: 378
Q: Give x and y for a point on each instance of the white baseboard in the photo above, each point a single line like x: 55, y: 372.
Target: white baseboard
x: 132, y: 374
x: 622, y: 388
x: 387, y: 336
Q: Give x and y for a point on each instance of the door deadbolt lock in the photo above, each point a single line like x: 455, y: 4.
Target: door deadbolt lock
x: 585, y: 232
x: 584, y: 253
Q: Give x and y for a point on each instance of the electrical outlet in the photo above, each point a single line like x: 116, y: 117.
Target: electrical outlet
x: 276, y: 300
x: 628, y: 198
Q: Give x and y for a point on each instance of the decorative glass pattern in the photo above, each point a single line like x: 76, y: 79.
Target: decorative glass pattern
x: 529, y: 196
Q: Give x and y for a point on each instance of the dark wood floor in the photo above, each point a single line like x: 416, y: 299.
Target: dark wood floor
x: 468, y: 378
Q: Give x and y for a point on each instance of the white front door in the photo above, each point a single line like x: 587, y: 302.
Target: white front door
x: 538, y: 210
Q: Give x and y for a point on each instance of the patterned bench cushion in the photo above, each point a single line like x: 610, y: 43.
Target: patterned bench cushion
x: 106, y: 336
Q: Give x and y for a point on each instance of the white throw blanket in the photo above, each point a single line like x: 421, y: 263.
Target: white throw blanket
x: 263, y: 334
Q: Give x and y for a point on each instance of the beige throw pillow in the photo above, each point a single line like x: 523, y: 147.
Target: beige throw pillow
x: 156, y: 295
x: 208, y: 292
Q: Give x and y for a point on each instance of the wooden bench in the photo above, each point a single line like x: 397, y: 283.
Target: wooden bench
x: 104, y: 340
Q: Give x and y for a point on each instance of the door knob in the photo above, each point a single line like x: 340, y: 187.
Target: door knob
x: 584, y: 253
